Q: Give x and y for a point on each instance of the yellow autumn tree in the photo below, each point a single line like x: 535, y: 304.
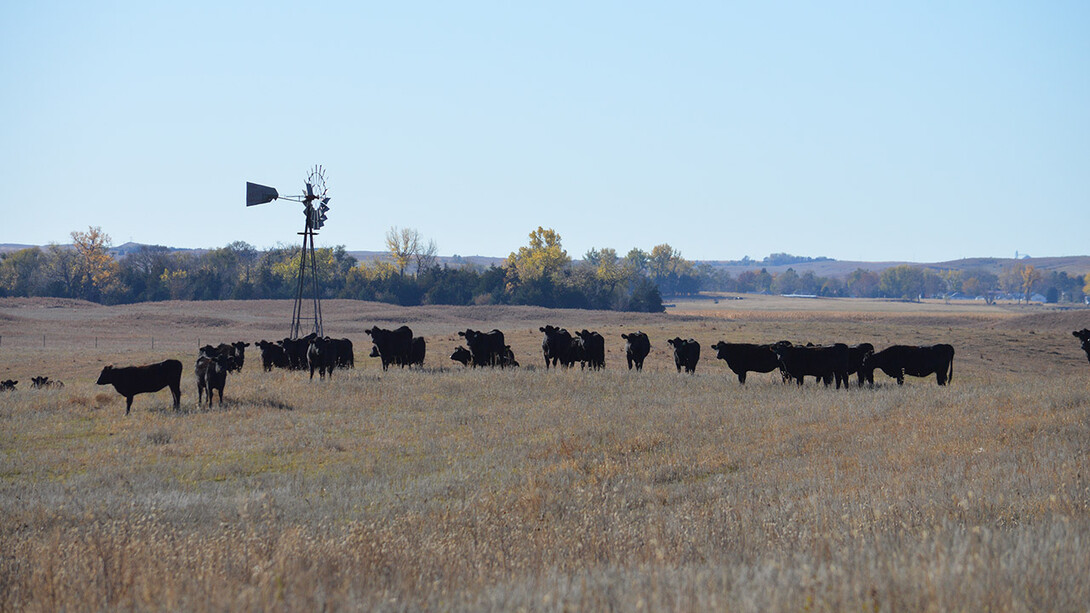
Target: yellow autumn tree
x: 543, y: 258
x: 96, y: 270
x: 1031, y: 278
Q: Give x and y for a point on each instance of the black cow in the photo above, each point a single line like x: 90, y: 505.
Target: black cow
x: 321, y: 356
x: 393, y: 346
x: 857, y: 354
x: 45, y: 383
x: 238, y: 356
x: 686, y: 353
x: 132, y: 380
x: 296, y: 350
x: 417, y: 352
x: 343, y: 353
x: 825, y: 363
x: 594, y: 349
x: 636, y: 348
x: 900, y: 360
x: 1084, y: 336
x: 487, y: 347
x: 461, y: 355
x: 234, y: 353
x: 577, y: 351
x: 508, y: 358
x: 272, y: 355
x: 742, y: 358
x: 211, y: 372
x: 556, y: 346
x: 8, y: 385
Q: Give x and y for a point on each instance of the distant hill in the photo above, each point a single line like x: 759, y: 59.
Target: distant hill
x: 1073, y: 265
x: 1076, y: 264
x: 450, y: 260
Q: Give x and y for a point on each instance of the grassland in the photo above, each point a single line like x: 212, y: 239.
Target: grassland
x: 456, y: 489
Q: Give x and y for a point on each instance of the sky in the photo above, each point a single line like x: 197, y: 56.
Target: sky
x: 876, y: 131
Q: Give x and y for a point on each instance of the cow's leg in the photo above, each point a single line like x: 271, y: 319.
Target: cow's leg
x: 176, y: 392
x: 742, y: 377
x: 128, y: 404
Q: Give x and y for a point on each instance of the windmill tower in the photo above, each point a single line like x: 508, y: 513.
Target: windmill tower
x: 315, y: 200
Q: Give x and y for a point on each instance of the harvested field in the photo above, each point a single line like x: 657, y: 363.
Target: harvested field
x: 455, y: 489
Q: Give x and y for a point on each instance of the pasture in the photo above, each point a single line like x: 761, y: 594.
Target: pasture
x: 458, y: 489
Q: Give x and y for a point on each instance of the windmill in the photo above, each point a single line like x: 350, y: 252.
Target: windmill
x: 315, y: 200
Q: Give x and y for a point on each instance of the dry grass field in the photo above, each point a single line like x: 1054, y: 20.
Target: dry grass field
x: 455, y: 489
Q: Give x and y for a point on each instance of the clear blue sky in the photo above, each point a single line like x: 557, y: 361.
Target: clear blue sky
x: 919, y: 131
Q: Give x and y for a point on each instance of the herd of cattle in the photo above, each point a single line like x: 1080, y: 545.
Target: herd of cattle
x: 560, y: 348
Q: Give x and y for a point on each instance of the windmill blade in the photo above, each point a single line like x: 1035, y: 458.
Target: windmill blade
x: 259, y: 194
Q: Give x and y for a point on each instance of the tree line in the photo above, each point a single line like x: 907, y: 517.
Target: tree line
x: 540, y: 273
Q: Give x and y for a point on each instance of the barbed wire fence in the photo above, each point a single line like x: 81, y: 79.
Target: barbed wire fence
x: 48, y: 342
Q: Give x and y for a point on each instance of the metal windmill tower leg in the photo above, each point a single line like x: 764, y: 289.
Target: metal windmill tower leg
x: 301, y: 287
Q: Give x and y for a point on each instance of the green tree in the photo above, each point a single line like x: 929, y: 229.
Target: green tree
x: 608, y: 268
x: 22, y: 273
x: 902, y: 281
x: 863, y: 283
x: 980, y: 282
x: 787, y: 282
x: 951, y: 280
x: 672, y: 273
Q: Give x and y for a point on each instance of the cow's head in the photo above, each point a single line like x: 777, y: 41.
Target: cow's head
x: 867, y: 349
x: 8, y: 385
x: 677, y: 342
x: 106, y: 376
x: 462, y: 355
x: 1084, y: 336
